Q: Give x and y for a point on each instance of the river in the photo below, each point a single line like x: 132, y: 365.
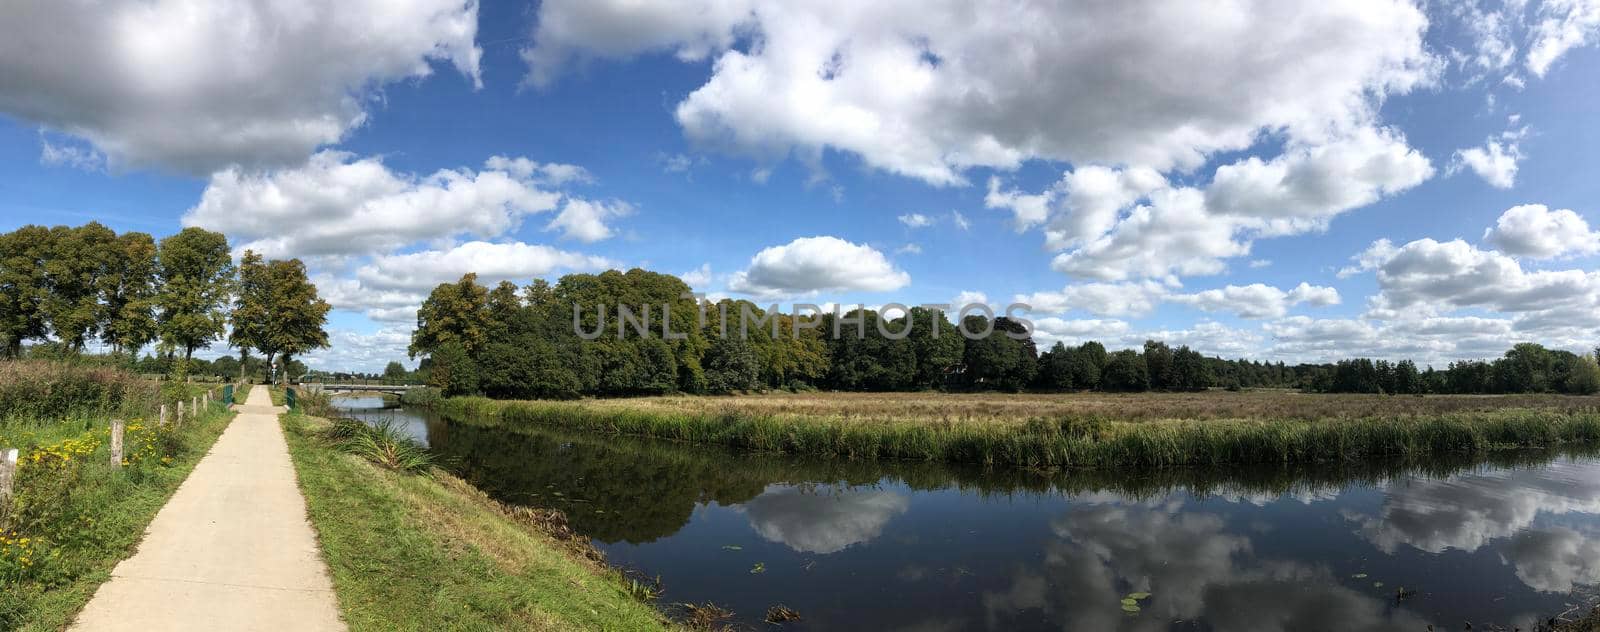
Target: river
x: 915, y: 546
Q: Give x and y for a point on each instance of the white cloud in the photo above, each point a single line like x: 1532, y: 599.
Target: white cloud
x: 355, y: 351
x: 1260, y: 263
x: 1534, y: 231
x: 337, y: 205
x: 585, y: 220
x: 928, y: 89
x: 1190, y: 231
x: 515, y: 261
x: 548, y: 173
x: 1495, y: 162
x: 1562, y: 25
x: 1027, y: 210
x: 1101, y: 299
x: 67, y: 154
x: 1258, y: 300
x: 195, y: 86
x: 1050, y: 330
x: 812, y: 264
x: 822, y: 523
x: 916, y: 220
x: 968, y: 297
x: 908, y: 249
x: 698, y: 278
x: 574, y: 30
x: 1430, y: 276
x: 959, y: 220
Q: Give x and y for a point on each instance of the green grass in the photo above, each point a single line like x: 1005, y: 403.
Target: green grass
x: 420, y: 552
x: 1064, y: 441
x: 81, y: 524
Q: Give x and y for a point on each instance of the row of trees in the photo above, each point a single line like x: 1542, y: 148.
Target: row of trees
x: 72, y: 286
x: 1525, y: 368
x: 514, y: 342
x: 521, y: 342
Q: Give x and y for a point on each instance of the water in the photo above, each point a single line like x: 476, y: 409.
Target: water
x: 901, y: 546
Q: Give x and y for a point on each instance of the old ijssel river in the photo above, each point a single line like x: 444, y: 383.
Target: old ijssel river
x: 913, y: 546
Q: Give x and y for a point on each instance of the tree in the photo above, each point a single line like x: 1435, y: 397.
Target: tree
x: 296, y: 314
x: 731, y: 365
x: 998, y: 360
x: 1582, y: 376
x: 251, y: 307
x: 23, y: 288
x: 196, y: 282
x: 1188, y: 371
x: 394, y: 372
x: 128, y: 295
x: 1158, y: 360
x: 1125, y: 371
x: 453, y: 313
x: 451, y: 370
x: 78, y: 260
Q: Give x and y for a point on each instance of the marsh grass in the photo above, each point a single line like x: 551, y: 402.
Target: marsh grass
x: 382, y: 442
x: 1068, y: 439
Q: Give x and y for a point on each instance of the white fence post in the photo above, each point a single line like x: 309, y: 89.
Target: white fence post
x: 163, y: 414
x: 8, y: 473
x: 116, y: 442
x: 180, y: 413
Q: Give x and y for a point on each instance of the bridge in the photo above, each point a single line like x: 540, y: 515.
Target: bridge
x: 397, y: 389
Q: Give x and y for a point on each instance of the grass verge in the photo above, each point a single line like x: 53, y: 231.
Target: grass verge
x: 1065, y: 441
x: 75, y: 516
x: 430, y: 552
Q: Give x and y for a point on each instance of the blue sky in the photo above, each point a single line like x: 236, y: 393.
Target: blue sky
x: 1161, y: 170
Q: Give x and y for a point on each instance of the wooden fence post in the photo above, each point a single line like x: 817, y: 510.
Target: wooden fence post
x: 163, y: 414
x: 8, y: 473
x: 116, y: 442
x: 180, y: 413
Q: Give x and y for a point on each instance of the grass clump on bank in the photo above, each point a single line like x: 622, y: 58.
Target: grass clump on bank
x: 1064, y: 441
x: 428, y: 552
x: 75, y: 516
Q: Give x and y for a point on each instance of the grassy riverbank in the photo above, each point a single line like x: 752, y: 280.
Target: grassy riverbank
x: 75, y: 516
x: 1083, y: 430
x: 429, y: 552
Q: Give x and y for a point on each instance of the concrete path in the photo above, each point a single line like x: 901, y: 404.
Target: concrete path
x: 232, y: 550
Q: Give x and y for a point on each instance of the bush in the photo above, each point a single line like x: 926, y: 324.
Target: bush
x: 45, y: 391
x: 384, y: 443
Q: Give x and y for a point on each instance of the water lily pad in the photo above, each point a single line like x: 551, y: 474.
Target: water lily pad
x: 760, y: 567
x: 1130, y: 602
x: 1139, y: 595
x: 1130, y: 608
x: 1377, y: 584
x: 1360, y: 575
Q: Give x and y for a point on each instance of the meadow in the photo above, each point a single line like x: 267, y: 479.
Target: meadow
x: 1078, y: 429
x: 74, y: 514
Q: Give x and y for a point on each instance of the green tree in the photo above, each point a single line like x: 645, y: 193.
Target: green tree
x: 196, y: 283
x: 128, y: 295
x: 731, y: 365
x: 78, y: 260
x: 24, y: 290
x: 452, y: 370
x: 1158, y: 360
x: 1188, y: 371
x: 251, y: 307
x: 296, y: 314
x: 1125, y: 371
x: 394, y: 372
x: 453, y: 313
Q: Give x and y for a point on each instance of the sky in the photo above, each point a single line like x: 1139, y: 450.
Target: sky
x: 1278, y: 180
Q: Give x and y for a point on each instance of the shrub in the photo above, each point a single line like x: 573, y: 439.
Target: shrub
x: 383, y: 442
x: 44, y: 391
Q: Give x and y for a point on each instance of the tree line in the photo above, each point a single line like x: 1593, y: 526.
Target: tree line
x: 68, y: 287
x: 521, y: 342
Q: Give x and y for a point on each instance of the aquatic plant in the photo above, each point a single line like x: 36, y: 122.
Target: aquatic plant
x: 383, y: 442
x: 1067, y: 441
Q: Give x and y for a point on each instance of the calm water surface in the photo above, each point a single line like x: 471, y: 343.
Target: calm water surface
x: 898, y: 546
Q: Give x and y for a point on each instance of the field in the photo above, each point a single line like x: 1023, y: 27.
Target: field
x: 1078, y: 429
x: 1020, y: 407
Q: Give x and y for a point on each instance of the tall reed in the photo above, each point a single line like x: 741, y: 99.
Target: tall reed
x: 1066, y: 441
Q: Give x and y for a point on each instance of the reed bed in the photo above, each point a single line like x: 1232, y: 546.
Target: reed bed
x: 1067, y: 440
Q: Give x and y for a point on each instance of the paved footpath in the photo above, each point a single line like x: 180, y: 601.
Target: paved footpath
x: 232, y: 549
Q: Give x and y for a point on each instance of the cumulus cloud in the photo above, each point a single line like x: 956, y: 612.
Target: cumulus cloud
x: 813, y: 264
x: 698, y: 278
x: 356, y: 351
x: 1434, y: 276
x: 196, y: 86
x: 929, y: 89
x: 1258, y: 300
x: 391, y: 287
x: 1560, y: 26
x: 1534, y: 231
x: 1050, y: 330
x: 338, y: 205
x: 916, y: 220
x: 908, y: 249
x: 585, y: 220
x: 1101, y: 299
x: 515, y: 261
